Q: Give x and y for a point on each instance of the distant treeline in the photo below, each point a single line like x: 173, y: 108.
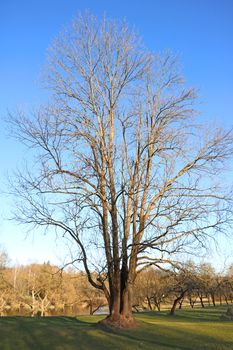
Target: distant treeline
x: 44, y: 289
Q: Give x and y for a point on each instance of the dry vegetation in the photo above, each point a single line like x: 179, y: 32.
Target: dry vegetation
x: 45, y: 290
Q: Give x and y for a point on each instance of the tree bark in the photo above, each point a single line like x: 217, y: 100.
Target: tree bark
x: 201, y: 300
x: 176, y: 301
x: 121, y: 315
x: 149, y: 303
x: 213, y: 299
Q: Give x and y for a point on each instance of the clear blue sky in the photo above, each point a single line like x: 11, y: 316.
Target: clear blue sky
x: 201, y: 31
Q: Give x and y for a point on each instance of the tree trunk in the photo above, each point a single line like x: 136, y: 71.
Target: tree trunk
x: 180, y: 304
x: 158, y: 304
x: 149, y: 303
x: 91, y: 307
x: 33, y: 303
x: 176, y: 301
x: 213, y: 299
x: 121, y: 312
x: 191, y: 302
x: 201, y: 300
x: 174, y: 307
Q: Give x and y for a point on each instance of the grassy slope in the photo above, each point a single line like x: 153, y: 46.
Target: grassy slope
x: 188, y: 330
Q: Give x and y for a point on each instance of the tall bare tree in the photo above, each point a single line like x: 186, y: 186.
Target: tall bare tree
x: 120, y: 165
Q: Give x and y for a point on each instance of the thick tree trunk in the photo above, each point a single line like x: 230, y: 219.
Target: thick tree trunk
x: 121, y: 315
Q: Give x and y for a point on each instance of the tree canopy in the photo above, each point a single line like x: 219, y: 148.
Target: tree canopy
x: 121, y: 164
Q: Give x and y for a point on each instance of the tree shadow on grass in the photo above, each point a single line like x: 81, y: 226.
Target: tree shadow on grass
x: 69, y: 333
x: 166, y: 337
x: 24, y: 333
x: 210, y: 314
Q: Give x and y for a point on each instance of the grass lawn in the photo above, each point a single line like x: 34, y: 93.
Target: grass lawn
x: 190, y: 329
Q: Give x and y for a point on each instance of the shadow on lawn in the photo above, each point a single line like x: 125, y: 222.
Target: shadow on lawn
x: 208, y: 314
x: 160, y: 332
x: 24, y: 333
x: 159, y: 336
x: 189, y: 329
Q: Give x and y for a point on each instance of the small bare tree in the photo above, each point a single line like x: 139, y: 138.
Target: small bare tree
x: 120, y: 165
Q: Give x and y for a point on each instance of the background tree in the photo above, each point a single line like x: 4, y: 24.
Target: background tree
x: 228, y: 285
x: 43, y: 289
x: 38, y: 288
x: 151, y: 288
x: 6, y: 292
x: 119, y: 164
x: 92, y: 297
x: 208, y: 280
x: 4, y: 259
x: 182, y: 285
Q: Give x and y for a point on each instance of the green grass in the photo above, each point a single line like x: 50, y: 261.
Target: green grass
x: 188, y: 330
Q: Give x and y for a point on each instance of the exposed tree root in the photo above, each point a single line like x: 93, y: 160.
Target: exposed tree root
x: 119, y: 321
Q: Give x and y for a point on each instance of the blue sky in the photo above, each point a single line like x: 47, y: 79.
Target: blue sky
x: 201, y: 32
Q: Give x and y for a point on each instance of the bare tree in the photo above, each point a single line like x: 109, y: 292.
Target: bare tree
x: 151, y: 288
x: 6, y: 288
x: 182, y: 285
x: 4, y: 258
x: 90, y: 296
x: 120, y: 165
